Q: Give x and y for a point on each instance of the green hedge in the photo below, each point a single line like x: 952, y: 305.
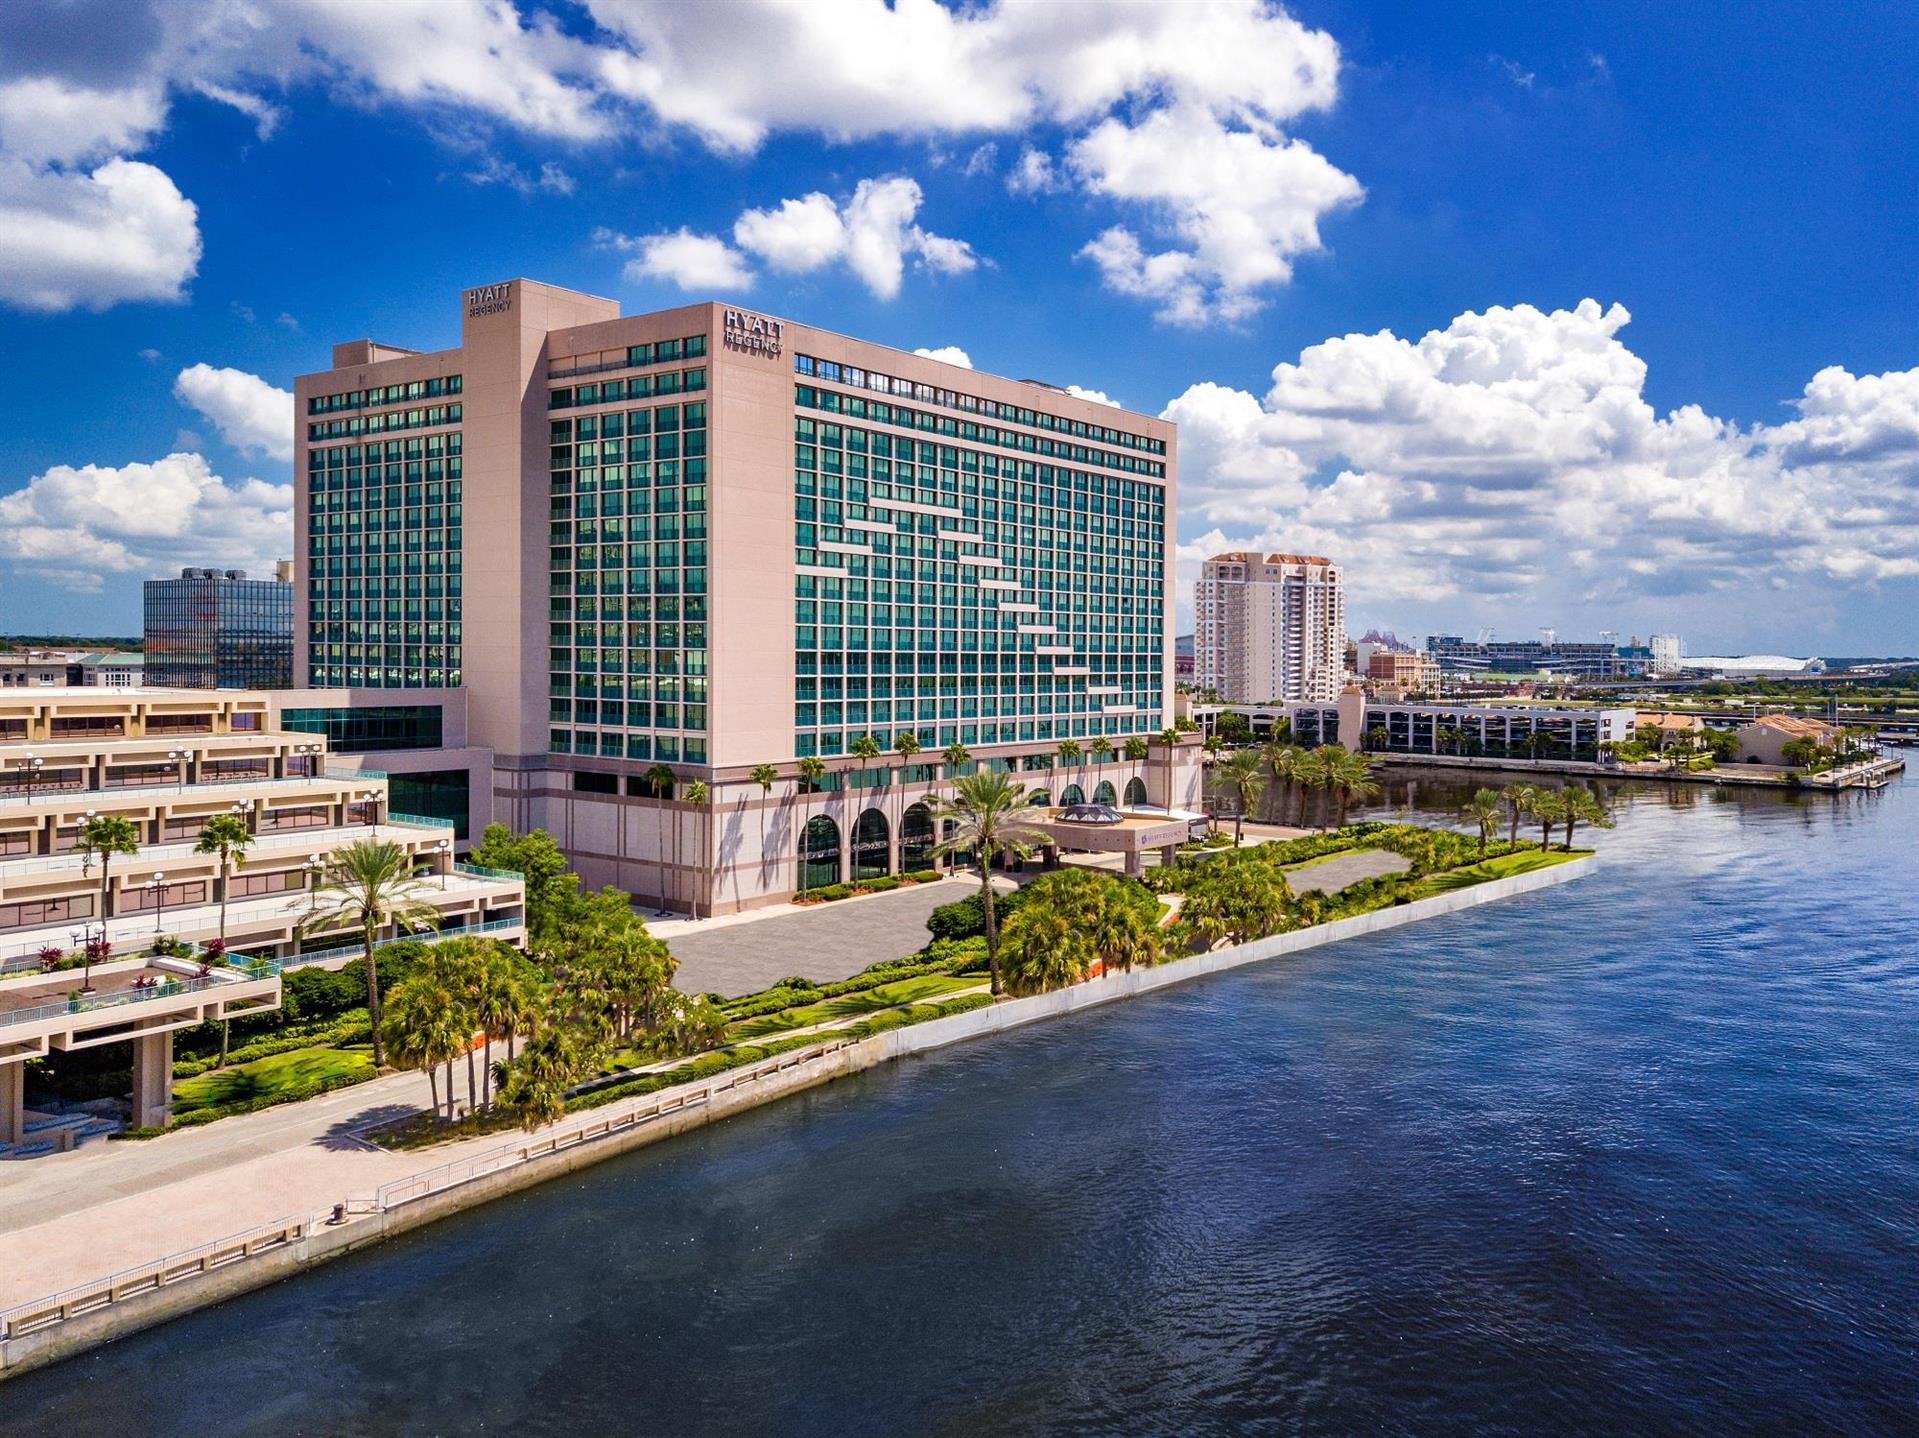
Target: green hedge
x: 966, y: 919
x: 295, y: 1094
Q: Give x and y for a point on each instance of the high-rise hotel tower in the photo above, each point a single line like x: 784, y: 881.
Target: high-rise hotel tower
x: 705, y: 539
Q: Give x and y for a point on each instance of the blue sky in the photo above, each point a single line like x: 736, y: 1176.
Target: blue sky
x: 1348, y: 246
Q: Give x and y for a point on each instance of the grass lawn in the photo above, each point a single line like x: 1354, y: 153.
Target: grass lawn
x: 270, y: 1076
x: 1503, y: 867
x: 868, y: 1001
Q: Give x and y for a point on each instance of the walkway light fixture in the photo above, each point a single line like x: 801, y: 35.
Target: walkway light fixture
x: 157, y: 886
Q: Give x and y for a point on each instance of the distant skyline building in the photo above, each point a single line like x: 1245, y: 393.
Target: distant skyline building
x: 1270, y: 627
x: 218, y: 629
x: 1668, y: 652
x: 1567, y: 658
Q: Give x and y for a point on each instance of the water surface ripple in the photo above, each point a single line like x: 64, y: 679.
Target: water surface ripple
x: 1638, y: 1155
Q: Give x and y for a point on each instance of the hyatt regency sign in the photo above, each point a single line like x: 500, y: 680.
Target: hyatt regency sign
x: 489, y: 299
x: 752, y: 334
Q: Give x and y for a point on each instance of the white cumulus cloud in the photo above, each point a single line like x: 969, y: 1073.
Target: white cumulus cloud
x: 70, y: 525
x: 693, y: 262
x: 948, y: 354
x: 251, y: 415
x: 1512, y: 459
x: 873, y: 234
x: 74, y: 240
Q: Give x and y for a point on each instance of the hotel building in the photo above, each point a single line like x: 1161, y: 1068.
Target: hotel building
x: 1269, y: 628
x: 168, y: 761
x: 661, y: 548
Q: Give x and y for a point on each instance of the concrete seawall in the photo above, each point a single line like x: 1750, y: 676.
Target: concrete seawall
x: 67, y: 1324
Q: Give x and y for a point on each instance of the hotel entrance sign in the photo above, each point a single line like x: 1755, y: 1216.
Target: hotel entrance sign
x: 752, y: 334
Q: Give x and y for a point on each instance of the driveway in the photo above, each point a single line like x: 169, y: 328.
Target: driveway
x: 822, y: 942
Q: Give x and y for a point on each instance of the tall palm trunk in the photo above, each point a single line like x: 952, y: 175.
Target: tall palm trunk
x: 992, y: 917
x: 450, y: 1100
x: 225, y: 880
x: 433, y: 1078
x: 1512, y: 834
x: 1571, y: 819
x: 486, y: 1074
x: 373, y: 994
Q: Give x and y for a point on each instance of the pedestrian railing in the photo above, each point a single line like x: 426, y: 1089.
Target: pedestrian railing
x: 44, y: 1313
x: 480, y: 871
x: 614, y: 1119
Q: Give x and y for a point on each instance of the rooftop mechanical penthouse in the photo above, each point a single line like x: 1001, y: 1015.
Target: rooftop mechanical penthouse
x: 707, y: 539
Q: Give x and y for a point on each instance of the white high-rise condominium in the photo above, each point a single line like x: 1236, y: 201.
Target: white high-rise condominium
x: 1270, y: 627
x: 1667, y: 652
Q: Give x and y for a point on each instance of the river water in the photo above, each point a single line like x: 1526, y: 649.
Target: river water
x: 1639, y: 1154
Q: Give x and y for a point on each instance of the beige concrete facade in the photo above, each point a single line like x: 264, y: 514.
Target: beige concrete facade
x: 537, y: 633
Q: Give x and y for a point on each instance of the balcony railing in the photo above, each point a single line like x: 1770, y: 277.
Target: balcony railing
x: 354, y: 951
x: 172, y: 988
x: 481, y: 872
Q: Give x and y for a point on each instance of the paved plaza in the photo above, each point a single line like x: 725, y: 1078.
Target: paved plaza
x: 822, y: 942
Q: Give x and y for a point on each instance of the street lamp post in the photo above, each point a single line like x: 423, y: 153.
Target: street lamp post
x: 157, y: 886
x: 244, y: 813
x: 445, y: 846
x: 371, y: 800
x: 314, y: 866
x: 31, y: 764
x: 179, y: 757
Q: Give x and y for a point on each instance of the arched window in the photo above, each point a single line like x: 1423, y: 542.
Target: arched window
x: 1103, y: 793
x: 870, y: 836
x: 1072, y: 794
x: 819, y: 853
x: 1039, y: 798
x: 1135, y: 791
x: 916, y: 839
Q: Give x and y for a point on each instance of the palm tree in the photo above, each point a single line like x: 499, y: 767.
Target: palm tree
x: 812, y: 770
x: 1484, y: 809
x: 1548, y: 809
x: 1313, y: 769
x: 370, y: 884
x: 906, y: 744
x: 1069, y: 752
x: 987, y: 810
x: 1282, y: 758
x: 423, y: 1029
x: 695, y: 794
x: 104, y: 835
x: 1352, y: 778
x: 1518, y: 799
x: 955, y: 754
x: 228, y: 836
x: 502, y: 1006
x: 1135, y: 750
x: 1101, y: 749
x: 1240, y: 775
x: 763, y: 775
x: 536, y: 1082
x: 659, y: 781
x: 1583, y: 806
x: 865, y: 749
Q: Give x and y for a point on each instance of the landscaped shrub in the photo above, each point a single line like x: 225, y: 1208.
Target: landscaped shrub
x: 926, y: 876
x: 878, y: 886
x: 966, y: 919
